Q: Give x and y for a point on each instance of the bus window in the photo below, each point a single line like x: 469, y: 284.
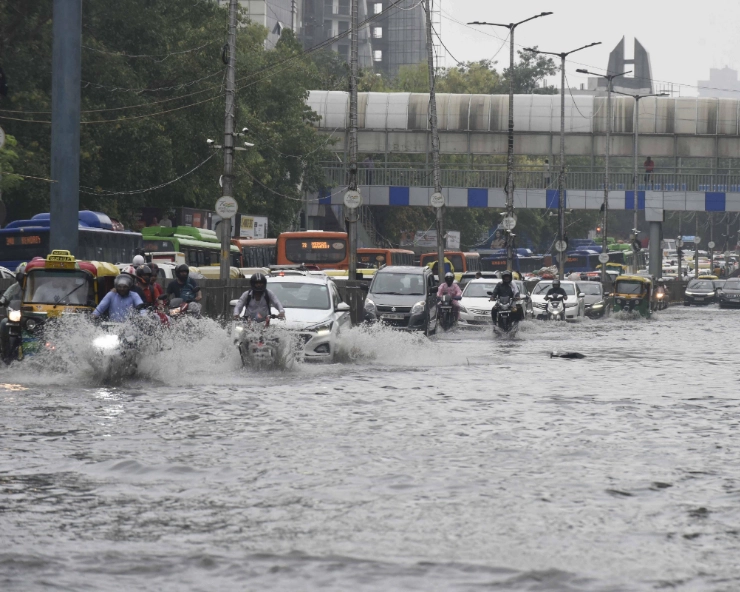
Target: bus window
x: 201, y: 258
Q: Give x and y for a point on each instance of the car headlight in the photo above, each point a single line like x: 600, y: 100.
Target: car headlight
x: 14, y: 316
x: 418, y: 308
x: 598, y: 305
x: 369, y: 306
x: 688, y: 293
x: 463, y: 309
x: 570, y: 304
x: 710, y: 294
x: 322, y: 328
x: 106, y: 342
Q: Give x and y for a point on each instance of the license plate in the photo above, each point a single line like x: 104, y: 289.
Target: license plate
x: 699, y: 299
x: 482, y: 318
x: 392, y: 317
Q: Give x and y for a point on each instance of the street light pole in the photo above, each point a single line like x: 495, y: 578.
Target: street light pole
x: 228, y: 177
x: 509, y: 188
x: 610, y: 79
x: 561, y: 175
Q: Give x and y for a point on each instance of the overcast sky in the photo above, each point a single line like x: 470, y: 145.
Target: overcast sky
x: 684, y: 39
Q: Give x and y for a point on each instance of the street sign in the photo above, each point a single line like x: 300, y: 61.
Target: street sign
x: 679, y: 243
x: 604, y: 257
x: 226, y: 207
x: 561, y: 246
x: 352, y: 199
x: 508, y: 223
x: 711, y: 244
x: 2, y: 137
x: 437, y: 200
x: 697, y: 240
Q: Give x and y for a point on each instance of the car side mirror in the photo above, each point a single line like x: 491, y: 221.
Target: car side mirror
x: 342, y: 307
x: 490, y: 293
x: 581, y: 295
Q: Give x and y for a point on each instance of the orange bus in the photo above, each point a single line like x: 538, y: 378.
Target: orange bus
x: 462, y: 262
x: 325, y: 250
x: 257, y: 252
x: 372, y: 258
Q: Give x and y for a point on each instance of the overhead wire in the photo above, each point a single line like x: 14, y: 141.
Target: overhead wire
x: 149, y: 56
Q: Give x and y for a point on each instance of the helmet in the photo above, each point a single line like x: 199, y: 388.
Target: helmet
x: 556, y: 283
x: 449, y: 278
x: 506, y: 274
x: 143, y: 270
x: 139, y: 260
x: 21, y: 268
x: 123, y: 281
x: 182, y: 271
x: 20, y: 273
x: 258, y: 281
x: 129, y: 270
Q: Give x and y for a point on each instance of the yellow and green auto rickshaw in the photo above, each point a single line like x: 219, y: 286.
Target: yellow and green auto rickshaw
x: 633, y: 293
x: 55, y: 286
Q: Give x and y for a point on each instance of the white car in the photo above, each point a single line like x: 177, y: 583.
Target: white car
x: 314, y: 311
x: 476, y: 304
x: 575, y: 305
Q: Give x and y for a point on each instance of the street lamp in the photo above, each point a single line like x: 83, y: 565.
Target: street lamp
x: 637, y: 133
x: 610, y: 79
x: 561, y: 175
x: 510, y: 152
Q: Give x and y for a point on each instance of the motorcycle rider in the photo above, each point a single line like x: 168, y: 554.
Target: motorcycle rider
x: 121, y: 302
x: 660, y: 289
x: 258, y: 301
x: 158, y: 291
x: 450, y: 287
x: 184, y: 286
x: 506, y: 288
x: 556, y: 290
x: 11, y: 294
x: 143, y: 286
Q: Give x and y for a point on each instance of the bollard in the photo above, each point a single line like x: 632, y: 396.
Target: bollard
x: 356, y: 300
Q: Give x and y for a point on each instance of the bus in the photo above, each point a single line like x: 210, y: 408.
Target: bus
x: 201, y: 247
x: 373, y: 258
x: 257, y: 252
x: 22, y: 240
x: 324, y: 250
x: 462, y: 262
x: 526, y: 263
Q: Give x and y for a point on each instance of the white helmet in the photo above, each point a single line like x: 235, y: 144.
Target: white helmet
x: 139, y: 260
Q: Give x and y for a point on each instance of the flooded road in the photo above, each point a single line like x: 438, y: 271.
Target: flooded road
x: 460, y: 463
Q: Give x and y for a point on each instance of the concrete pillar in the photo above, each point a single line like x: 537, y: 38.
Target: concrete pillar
x: 656, y: 253
x: 66, y: 74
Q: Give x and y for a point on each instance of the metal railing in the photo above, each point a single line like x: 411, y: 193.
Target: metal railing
x: 419, y: 175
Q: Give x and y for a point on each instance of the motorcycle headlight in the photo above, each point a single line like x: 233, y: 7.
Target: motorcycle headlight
x: 14, y: 316
x: 322, y: 328
x: 369, y: 306
x: 418, y: 308
x: 175, y: 311
x: 106, y: 342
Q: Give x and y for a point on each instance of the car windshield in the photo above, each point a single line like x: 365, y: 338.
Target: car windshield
x: 398, y: 283
x: 543, y: 287
x: 298, y: 295
x: 701, y: 285
x: 629, y: 287
x: 477, y: 290
x: 590, y: 288
x: 732, y: 285
x: 58, y: 287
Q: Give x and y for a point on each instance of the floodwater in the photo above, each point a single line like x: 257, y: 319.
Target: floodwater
x: 459, y: 463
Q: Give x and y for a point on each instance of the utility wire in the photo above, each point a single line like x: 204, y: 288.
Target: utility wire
x: 149, y: 56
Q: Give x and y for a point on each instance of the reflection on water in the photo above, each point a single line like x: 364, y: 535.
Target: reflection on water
x: 455, y: 463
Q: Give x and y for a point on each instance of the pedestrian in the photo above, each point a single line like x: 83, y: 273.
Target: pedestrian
x: 546, y: 172
x: 649, y: 165
x: 370, y: 166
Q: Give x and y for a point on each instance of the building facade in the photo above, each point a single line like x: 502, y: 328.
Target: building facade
x: 722, y: 84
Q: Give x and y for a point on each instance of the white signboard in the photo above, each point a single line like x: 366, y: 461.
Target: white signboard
x: 226, y: 207
x: 352, y: 199
x: 425, y: 238
x: 604, y: 257
x: 437, y: 200
x: 453, y: 240
x: 253, y: 227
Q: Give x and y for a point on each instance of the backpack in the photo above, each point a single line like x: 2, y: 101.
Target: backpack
x: 267, y: 301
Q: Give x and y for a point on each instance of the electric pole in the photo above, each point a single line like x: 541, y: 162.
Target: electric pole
x: 352, y: 181
x: 561, y: 175
x: 510, y: 149
x: 435, y: 146
x: 228, y: 147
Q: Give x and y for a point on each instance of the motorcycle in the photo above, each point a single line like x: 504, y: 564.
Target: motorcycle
x: 446, y: 312
x: 506, y: 320
x: 179, y: 308
x: 555, y: 310
x: 661, y: 301
x: 260, y: 345
x: 116, y: 353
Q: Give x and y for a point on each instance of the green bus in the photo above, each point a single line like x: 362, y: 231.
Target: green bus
x: 200, y: 246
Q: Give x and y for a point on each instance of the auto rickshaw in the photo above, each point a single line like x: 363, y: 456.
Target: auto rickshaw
x: 55, y: 286
x: 633, y: 293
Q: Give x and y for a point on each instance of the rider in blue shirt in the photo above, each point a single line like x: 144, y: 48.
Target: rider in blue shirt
x: 122, y: 302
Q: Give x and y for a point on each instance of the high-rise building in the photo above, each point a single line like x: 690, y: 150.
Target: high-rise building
x: 274, y: 15
x: 325, y: 19
x: 722, y: 84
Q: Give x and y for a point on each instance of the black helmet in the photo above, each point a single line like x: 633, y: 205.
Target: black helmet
x: 123, y: 281
x: 449, y: 278
x: 258, y: 281
x: 555, y: 283
x: 506, y: 274
x: 182, y: 271
x: 143, y: 270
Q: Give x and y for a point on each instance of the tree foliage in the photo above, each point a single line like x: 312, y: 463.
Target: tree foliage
x: 152, y: 94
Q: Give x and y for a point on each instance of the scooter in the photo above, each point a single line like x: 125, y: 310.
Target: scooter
x: 555, y: 310
x: 506, y: 321
x: 446, y: 313
x: 116, y: 353
x: 661, y: 302
x: 259, y: 345
x: 179, y: 308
